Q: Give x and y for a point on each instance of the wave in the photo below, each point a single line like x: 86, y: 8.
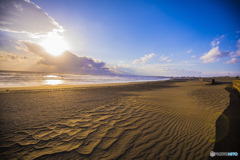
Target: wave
x: 28, y: 79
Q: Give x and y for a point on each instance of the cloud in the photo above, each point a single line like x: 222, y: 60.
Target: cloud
x: 12, y: 57
x: 189, y: 51
x: 216, y: 41
x: 165, y: 58
x: 124, y: 69
x: 238, y: 46
x: 67, y: 62
x: 17, y: 62
x: 214, y: 55
x: 194, y: 56
x: 144, y: 59
x: 159, y: 70
x: 238, y: 50
x: 26, y: 17
x: 232, y: 61
x: 220, y: 73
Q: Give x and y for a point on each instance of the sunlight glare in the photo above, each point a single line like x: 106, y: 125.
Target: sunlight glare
x: 53, y: 82
x: 54, y: 44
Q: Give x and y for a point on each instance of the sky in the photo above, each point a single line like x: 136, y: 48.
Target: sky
x: 130, y: 37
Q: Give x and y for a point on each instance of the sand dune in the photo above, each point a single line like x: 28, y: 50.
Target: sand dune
x: 157, y: 120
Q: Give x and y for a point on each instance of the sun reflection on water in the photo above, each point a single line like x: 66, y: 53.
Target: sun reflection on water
x: 51, y: 76
x: 53, y: 82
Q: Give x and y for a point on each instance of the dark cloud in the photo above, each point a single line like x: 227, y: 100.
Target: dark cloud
x: 12, y: 57
x: 25, y: 17
x: 67, y: 62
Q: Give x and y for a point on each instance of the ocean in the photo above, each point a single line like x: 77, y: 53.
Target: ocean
x: 30, y: 79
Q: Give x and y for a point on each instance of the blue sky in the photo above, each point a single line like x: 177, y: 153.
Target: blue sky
x: 161, y: 38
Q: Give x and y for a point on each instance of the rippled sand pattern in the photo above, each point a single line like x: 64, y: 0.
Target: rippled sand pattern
x: 171, y: 123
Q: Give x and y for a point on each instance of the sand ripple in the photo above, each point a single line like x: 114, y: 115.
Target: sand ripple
x: 172, y: 123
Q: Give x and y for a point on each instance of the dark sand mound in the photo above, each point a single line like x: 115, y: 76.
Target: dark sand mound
x: 227, y: 126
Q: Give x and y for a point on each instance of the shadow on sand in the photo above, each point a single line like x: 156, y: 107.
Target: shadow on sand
x: 228, y: 127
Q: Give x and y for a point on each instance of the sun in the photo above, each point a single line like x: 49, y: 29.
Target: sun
x: 54, y: 44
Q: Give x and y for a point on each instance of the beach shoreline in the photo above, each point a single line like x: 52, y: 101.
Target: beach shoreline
x: 161, y: 119
x: 69, y: 86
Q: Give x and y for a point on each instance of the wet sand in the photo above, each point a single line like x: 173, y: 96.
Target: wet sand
x: 152, y: 120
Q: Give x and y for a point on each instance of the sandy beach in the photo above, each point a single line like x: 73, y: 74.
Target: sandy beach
x: 173, y: 119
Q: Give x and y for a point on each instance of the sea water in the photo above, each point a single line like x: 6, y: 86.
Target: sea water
x: 30, y: 79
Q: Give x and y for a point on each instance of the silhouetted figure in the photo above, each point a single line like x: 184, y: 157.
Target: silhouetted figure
x: 213, y: 81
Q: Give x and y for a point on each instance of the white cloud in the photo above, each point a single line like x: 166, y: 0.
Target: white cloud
x: 26, y: 17
x: 194, y: 56
x: 144, y: 59
x: 187, y: 63
x: 159, y: 70
x: 221, y: 73
x: 216, y: 41
x: 124, y: 69
x: 238, y: 50
x: 165, y: 58
x: 214, y: 55
x: 232, y: 61
x: 189, y: 51
x: 121, y: 61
